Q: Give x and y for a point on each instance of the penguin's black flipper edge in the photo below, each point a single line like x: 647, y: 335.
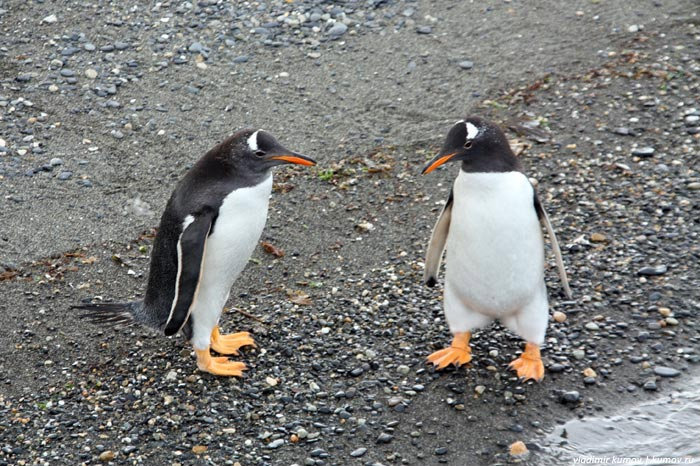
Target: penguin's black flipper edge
x: 436, y: 247
x: 191, y: 250
x: 544, y: 219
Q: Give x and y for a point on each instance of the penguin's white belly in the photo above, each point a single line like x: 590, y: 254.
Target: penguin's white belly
x: 238, y: 227
x: 495, y: 251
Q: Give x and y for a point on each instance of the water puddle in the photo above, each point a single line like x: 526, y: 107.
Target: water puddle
x: 659, y: 432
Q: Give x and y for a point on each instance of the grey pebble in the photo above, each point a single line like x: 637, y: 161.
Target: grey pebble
x: 643, y: 151
x: 570, y: 397
x: 358, y: 452
x: 240, y: 59
x: 466, y: 65
x: 424, y: 29
x: 385, y: 438
x: 439, y: 451
x: 664, y: 371
x: 55, y: 162
x: 337, y: 30
x: 275, y: 444
x: 65, y: 175
x: 652, y: 271
x: 650, y: 385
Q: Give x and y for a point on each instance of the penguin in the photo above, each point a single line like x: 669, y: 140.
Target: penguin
x: 207, y: 233
x: 494, y: 261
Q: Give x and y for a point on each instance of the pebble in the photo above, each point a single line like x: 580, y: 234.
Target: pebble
x: 479, y: 389
x: 385, y: 438
x: 440, y: 451
x: 50, y: 19
x: 358, y: 452
x: 90, y: 73
x: 337, y: 30
x: 424, y: 29
x: 598, y: 238
x: 643, y: 151
x: 518, y: 448
x: 592, y: 326
x: 275, y: 444
x: 466, y: 65
x: 65, y: 175
x: 652, y: 271
x: 107, y: 455
x: 650, y: 385
x: 663, y: 371
x: 578, y: 354
x: 559, y: 316
x: 54, y: 162
x: 570, y: 397
x: 403, y: 369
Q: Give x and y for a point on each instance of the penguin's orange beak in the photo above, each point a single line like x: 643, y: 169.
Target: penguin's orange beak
x: 295, y: 158
x: 437, y: 161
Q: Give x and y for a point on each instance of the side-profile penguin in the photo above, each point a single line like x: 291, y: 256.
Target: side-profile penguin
x: 494, y: 266
x: 207, y: 233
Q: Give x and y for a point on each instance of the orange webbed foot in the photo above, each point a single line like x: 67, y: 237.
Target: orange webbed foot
x: 219, y: 365
x: 229, y: 344
x: 458, y: 353
x: 529, y: 364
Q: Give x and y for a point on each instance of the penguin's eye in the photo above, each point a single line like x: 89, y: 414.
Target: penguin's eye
x: 468, y: 145
x: 259, y: 153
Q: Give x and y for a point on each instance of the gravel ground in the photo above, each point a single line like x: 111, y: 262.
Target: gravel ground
x: 98, y: 123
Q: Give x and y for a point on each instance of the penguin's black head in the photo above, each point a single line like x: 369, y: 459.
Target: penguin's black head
x: 480, y: 145
x: 258, y: 151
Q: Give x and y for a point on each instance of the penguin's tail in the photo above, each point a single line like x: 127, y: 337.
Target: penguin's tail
x: 111, y: 314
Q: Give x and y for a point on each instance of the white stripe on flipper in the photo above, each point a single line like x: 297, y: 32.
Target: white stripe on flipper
x: 253, y: 141
x: 472, y: 130
x: 188, y: 221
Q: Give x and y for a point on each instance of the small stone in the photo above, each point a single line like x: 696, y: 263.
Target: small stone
x: 196, y: 47
x: 271, y: 381
x: 440, y: 451
x: 90, y: 73
x: 385, y: 438
x: 623, y: 131
x: 107, y: 456
x: 643, y: 151
x: 302, y: 433
x: 337, y: 30
x: 692, y: 120
x: 671, y: 321
x: 559, y: 316
x: 650, y: 385
x: 55, y: 162
x: 694, y: 186
x: 53, y: 88
x: 578, y: 354
x: 358, y: 452
x: 664, y: 371
x: 598, y: 238
x: 592, y: 326
x: 275, y: 444
x: 50, y: 19
x: 664, y: 311
x: 394, y: 400
x: 240, y: 59
x: 403, y: 370
x: 199, y: 449
x: 424, y: 29
x: 479, y: 389
x: 588, y: 372
x: 172, y: 375
x: 65, y: 175
x: 518, y: 448
x: 466, y: 65
x: 570, y: 397
x: 652, y: 271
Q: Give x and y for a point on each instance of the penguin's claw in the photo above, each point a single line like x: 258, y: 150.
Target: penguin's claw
x: 450, y: 355
x: 458, y: 353
x: 529, y: 364
x: 229, y: 344
x: 220, y: 365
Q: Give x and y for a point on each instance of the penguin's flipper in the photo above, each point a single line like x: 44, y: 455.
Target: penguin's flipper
x: 544, y: 219
x: 191, y: 248
x: 437, y: 243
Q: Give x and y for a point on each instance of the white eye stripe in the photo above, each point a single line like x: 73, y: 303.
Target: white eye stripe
x: 472, y: 131
x: 253, y: 141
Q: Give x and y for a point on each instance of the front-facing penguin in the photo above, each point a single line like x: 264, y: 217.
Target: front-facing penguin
x: 209, y: 229
x: 494, y: 266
